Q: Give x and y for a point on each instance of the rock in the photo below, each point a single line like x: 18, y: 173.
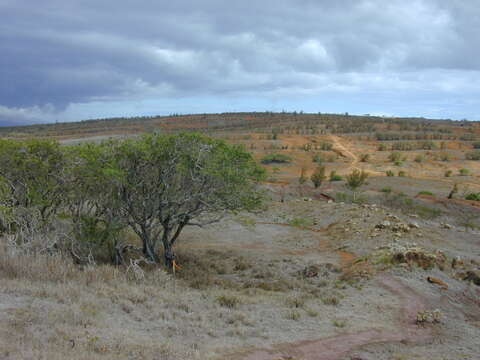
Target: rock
x: 413, y: 225
x: 446, y: 226
x: 383, y: 225
x: 310, y: 271
x: 400, y: 228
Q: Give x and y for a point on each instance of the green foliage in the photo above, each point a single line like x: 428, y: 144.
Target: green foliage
x: 448, y: 173
x: 473, y: 196
x: 473, y: 155
x: 425, y: 193
x: 355, y: 180
x: 276, y: 159
x: 402, y: 173
x: 318, y: 176
x: 395, y: 157
x: 386, y: 190
x: 389, y: 173
x: 31, y: 176
x: 155, y: 185
x: 301, y: 222
x: 334, y: 176
x: 464, y: 172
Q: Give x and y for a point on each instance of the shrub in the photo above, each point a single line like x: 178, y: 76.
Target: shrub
x: 364, y: 157
x: 382, y: 147
x: 317, y: 158
x: 464, y: 172
x: 473, y: 155
x: 395, y: 157
x: 476, y: 145
x: 335, y: 177
x: 276, y: 159
x: 448, y: 173
x: 228, y: 301
x: 402, y: 173
x: 356, y: 179
x: 318, y: 176
x: 473, y: 196
x: 389, y: 173
x: 386, y: 190
x: 419, y: 158
x: 425, y: 193
x: 326, y: 146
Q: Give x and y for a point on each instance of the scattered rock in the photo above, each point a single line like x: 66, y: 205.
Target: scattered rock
x: 446, y: 226
x: 473, y: 277
x: 424, y: 317
x: 413, y: 225
x: 383, y: 225
x: 310, y: 271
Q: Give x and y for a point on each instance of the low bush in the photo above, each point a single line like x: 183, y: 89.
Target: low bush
x: 389, y: 173
x: 448, y: 173
x: 425, y: 193
x: 473, y: 155
x: 276, y: 159
x: 335, y: 177
x: 463, y: 172
x: 364, y: 157
x: 473, y: 196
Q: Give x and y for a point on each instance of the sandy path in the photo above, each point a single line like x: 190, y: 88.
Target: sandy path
x: 338, y: 346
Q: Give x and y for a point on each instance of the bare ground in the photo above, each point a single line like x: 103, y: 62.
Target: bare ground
x: 243, y: 294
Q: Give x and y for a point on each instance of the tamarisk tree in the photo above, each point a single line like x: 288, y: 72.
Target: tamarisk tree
x: 168, y: 182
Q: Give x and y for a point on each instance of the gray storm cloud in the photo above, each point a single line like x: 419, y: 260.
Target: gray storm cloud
x: 55, y: 53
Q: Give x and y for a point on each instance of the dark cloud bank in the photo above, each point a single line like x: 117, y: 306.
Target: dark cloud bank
x: 67, y: 60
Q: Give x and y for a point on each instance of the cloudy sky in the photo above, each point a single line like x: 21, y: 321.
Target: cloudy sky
x: 71, y: 60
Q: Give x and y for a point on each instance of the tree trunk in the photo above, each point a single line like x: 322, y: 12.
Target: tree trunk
x: 169, y: 255
x: 148, y: 250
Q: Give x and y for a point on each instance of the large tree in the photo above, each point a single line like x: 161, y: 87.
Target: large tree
x: 167, y: 182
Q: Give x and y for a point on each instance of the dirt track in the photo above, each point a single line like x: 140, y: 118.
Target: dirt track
x: 337, y: 346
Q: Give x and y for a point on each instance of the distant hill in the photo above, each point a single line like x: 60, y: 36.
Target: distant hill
x: 212, y: 123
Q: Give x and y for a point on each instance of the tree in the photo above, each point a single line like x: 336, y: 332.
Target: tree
x: 318, y: 176
x: 91, y: 201
x: 31, y: 179
x: 167, y: 182
x: 356, y: 179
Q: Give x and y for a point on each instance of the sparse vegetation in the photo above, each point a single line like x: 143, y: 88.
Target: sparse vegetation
x: 276, y: 159
x: 464, y: 172
x: 335, y: 177
x: 355, y: 180
x: 318, y: 176
x: 473, y: 155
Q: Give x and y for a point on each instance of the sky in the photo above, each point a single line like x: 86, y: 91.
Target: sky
x: 74, y: 60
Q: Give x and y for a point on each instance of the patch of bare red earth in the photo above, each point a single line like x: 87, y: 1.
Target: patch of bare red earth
x: 338, y: 346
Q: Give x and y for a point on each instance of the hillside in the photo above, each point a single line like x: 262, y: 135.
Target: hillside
x: 390, y: 272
